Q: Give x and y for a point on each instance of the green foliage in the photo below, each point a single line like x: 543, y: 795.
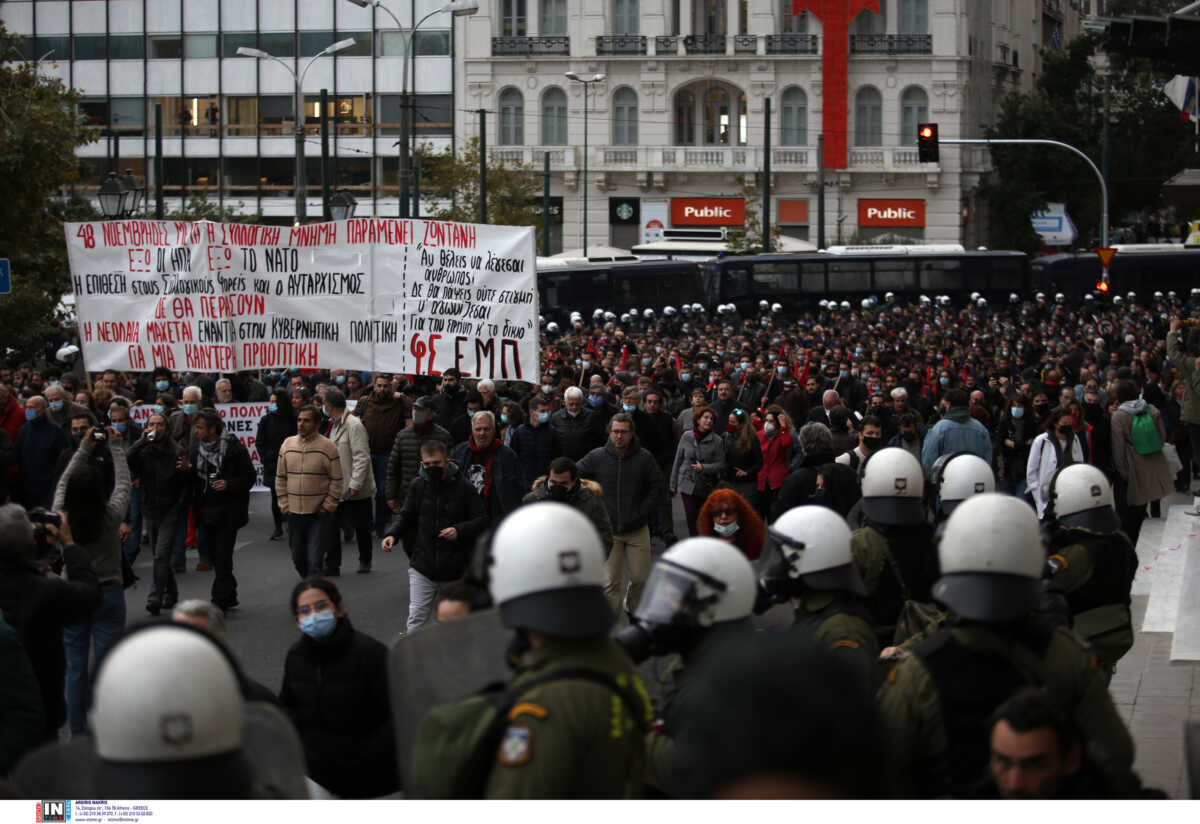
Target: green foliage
x: 1148, y: 143
x: 39, y: 132
x: 513, y: 189
x: 748, y: 239
x: 199, y: 207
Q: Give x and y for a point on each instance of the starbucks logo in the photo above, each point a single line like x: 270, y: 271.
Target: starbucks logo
x: 624, y: 211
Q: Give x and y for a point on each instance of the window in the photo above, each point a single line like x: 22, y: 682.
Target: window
x: 433, y: 115
x: 166, y: 47
x: 685, y: 119
x: 625, y: 116
x: 279, y: 44
x: 512, y: 18
x: 362, y: 44
x: 200, y: 45
x: 231, y: 42
x: 942, y: 275
x: 432, y: 43
x: 241, y: 116
x: 54, y: 48
x: 794, y: 118
x: 850, y: 276
x: 127, y: 47
x: 868, y: 117
x: 792, y: 23
x: 93, y: 111
x: 812, y: 277
x: 776, y: 277
x: 708, y: 17
x: 553, y: 17
x: 914, y: 109
x: 129, y: 114
x: 722, y: 126
x: 895, y: 274
x: 867, y: 22
x: 274, y: 110
x: 625, y: 17
x: 554, y: 117
x: 913, y: 17
x: 512, y: 118
x: 312, y: 42
x: 90, y: 47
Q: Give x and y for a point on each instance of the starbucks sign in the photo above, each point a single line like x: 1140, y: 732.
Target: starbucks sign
x: 624, y: 210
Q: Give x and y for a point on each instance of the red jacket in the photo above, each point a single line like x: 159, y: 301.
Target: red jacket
x: 12, y: 417
x: 775, y: 464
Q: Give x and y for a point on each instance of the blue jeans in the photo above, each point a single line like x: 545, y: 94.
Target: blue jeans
x: 306, y: 538
x: 133, y: 543
x: 379, y: 465
x: 421, y: 592
x: 100, y: 631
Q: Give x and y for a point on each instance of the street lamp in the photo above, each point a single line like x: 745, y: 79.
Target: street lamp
x: 342, y: 205
x: 121, y: 196
x: 458, y: 8
x: 596, y: 78
x: 341, y: 45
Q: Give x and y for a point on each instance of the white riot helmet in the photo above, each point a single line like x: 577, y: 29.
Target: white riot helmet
x: 975, y: 296
x: 961, y: 476
x: 1059, y: 297
x: 625, y: 318
x: 893, y: 487
x: 823, y: 303
x: 764, y: 305
x: 889, y: 296
x: 1081, y: 496
x: 698, y: 582
x: 814, y: 542
x: 610, y: 316
x: 547, y: 572
x: 991, y: 559
x: 776, y: 307
x: 669, y: 311
x: 1013, y: 297
x: 981, y: 303
x: 1040, y: 296
x: 648, y: 314
x: 552, y: 328
x: 597, y: 314
x: 924, y: 299
x: 633, y: 313
x: 696, y: 307
x: 866, y: 303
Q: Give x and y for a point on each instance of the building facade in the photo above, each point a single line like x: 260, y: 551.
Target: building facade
x: 229, y: 121
x: 676, y: 127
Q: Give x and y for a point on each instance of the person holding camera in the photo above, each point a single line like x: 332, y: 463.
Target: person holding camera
x: 155, y: 465
x: 39, y: 605
x: 95, y: 518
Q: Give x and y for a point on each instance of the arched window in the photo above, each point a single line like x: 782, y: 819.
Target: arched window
x: 868, y: 117
x: 913, y: 17
x: 554, y: 117
x: 793, y: 123
x: 685, y: 119
x: 914, y: 109
x: 624, y: 117
x: 512, y: 118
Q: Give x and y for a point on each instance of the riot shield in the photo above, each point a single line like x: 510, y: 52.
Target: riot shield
x: 441, y: 663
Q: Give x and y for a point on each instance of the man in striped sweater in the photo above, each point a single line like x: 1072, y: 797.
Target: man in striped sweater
x: 308, y: 484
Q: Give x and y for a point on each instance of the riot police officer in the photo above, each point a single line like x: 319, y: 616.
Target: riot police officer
x: 958, y: 477
x: 935, y: 703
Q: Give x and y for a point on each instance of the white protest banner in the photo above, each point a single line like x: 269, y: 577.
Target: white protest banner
x: 395, y: 295
x: 240, y: 418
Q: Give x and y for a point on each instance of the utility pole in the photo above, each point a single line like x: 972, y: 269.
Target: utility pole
x: 324, y: 154
x: 483, y: 165
x: 159, y: 207
x: 821, y: 191
x: 766, y: 215
x: 546, y: 204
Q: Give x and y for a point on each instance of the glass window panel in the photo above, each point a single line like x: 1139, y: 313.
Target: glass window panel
x: 943, y: 275
x: 434, y: 115
x: 914, y: 109
x: 913, y: 17
x: 895, y: 274
x: 434, y: 43
x: 232, y: 41
x: 127, y: 47
x: 867, y: 22
x: 792, y: 23
x: 625, y: 116
x: 554, y: 118
x: 312, y: 42
x: 200, y: 45
x: 166, y: 46
x: 737, y: 283
x: 776, y: 277
x: 390, y: 107
x: 276, y: 108
x: 868, y: 117
x: 850, y: 276
x: 812, y: 277
x: 362, y: 44
x: 1006, y: 274
x: 512, y: 117
x: 128, y: 113
x: 91, y: 47
x: 794, y: 118
x: 279, y: 44
x: 60, y: 48
x: 553, y: 19
x: 93, y: 111
x: 513, y: 18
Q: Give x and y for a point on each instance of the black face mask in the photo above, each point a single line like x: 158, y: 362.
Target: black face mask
x: 1040, y: 408
x: 450, y: 390
x: 1065, y: 431
x: 435, y: 473
x: 909, y: 436
x: 872, y: 443
x: 558, y: 492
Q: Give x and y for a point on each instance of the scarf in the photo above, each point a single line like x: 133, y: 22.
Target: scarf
x: 487, y: 457
x: 211, y: 456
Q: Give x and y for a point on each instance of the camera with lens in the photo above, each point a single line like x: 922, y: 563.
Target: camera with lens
x: 45, y: 551
x: 99, y: 435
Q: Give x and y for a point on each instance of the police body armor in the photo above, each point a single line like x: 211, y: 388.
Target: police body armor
x: 1100, y: 606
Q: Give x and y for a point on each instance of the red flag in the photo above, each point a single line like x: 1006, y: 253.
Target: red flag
x: 624, y: 356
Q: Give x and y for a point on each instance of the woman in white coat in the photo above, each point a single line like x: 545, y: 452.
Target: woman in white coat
x: 1054, y: 448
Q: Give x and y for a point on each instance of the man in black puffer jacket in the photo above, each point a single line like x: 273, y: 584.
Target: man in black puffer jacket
x: 154, y: 463
x: 447, y: 515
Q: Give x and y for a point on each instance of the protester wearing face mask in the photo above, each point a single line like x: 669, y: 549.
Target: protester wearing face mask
x: 39, y: 443
x: 562, y: 483
x: 535, y: 441
x: 404, y: 460
x: 573, y: 423
x: 743, y: 455
x: 1055, y: 448
x: 335, y: 692
x: 60, y: 408
x: 870, y: 441
x: 382, y: 413
x: 775, y: 442
x: 1014, y: 434
x: 729, y: 516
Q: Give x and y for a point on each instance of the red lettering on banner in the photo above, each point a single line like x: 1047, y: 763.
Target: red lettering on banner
x: 229, y: 306
x: 137, y: 361
x: 118, y: 331
x: 385, y: 231
x: 313, y: 234
x: 139, y: 260
x: 455, y: 235
x: 163, y: 356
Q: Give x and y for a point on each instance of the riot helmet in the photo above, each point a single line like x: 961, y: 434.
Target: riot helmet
x: 814, y: 548
x: 1081, y: 496
x: 893, y: 488
x: 959, y: 476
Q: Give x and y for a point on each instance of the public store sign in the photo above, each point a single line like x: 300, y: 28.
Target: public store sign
x: 390, y: 295
x: 708, y: 211
x: 892, y: 213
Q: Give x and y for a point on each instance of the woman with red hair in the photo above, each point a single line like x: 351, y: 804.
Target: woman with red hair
x: 728, y: 516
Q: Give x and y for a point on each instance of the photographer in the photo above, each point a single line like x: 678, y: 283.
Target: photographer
x: 155, y: 465
x: 38, y: 605
x: 95, y: 519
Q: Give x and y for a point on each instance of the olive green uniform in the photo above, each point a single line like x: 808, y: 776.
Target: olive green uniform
x: 840, y: 622
x: 919, y: 731
x: 573, y: 738
x: 1095, y: 572
x: 895, y: 576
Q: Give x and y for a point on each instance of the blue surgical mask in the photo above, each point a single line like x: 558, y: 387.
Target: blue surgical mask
x: 595, y: 400
x: 158, y: 409
x: 745, y: 365
x: 543, y: 417
x: 844, y: 373
x: 56, y: 406
x: 30, y: 414
x: 685, y: 376
x: 471, y: 413
x: 319, y: 624
x: 340, y: 379
x: 120, y: 426
x: 503, y: 418
x: 944, y: 381
x: 628, y: 407
x: 726, y: 531
x: 781, y: 370
x: 190, y: 409
x: 272, y: 407
x: 1018, y: 411
x: 162, y: 386
x: 647, y: 361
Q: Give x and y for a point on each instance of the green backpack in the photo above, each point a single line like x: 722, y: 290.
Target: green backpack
x: 1144, y: 434
x: 456, y: 744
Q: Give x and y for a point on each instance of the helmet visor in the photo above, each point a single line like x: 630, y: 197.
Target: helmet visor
x: 675, y: 596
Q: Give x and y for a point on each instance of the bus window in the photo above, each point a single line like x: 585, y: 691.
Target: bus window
x: 635, y: 289
x: 942, y: 275
x: 1006, y: 275
x: 736, y: 283
x: 850, y: 276
x: 677, y: 288
x: 812, y: 278
x: 897, y: 275
x: 555, y: 290
x: 775, y: 277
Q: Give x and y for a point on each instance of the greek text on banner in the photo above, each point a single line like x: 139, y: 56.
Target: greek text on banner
x: 393, y: 295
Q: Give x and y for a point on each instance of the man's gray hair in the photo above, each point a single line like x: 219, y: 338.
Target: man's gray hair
x: 815, y: 437
x: 484, y: 413
x: 899, y: 392
x: 573, y: 392
x: 211, y: 614
x: 223, y: 381
x: 334, y: 398
x: 16, y: 533
x: 196, y: 389
x: 485, y: 385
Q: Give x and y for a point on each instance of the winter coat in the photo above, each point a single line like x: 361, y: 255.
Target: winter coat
x: 431, y: 507
x: 800, y: 488
x: 335, y: 690
x: 105, y: 551
x: 536, y: 447
x: 383, y: 420
x: 751, y: 461
x: 12, y: 417
x: 578, y: 434
x: 508, y: 483
x: 1191, y: 376
x: 20, y: 700
x: 632, y: 484
x: 774, y: 459
x: 1041, y: 466
x: 164, y: 486
x: 233, y: 503
x: 405, y: 458
x: 957, y: 432
x: 1011, y: 461
x: 273, y: 429
x: 39, y: 443
x: 1147, y: 477
x: 450, y: 407
x: 587, y: 497
x: 709, y: 452
x: 354, y: 449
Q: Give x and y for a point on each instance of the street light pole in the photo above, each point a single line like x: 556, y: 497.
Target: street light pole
x: 596, y: 78
x: 458, y: 8
x: 246, y: 51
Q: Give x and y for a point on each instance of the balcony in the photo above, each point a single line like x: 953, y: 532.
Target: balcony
x: 531, y: 46
x: 665, y: 44
x: 791, y: 44
x: 745, y: 43
x: 704, y: 43
x: 621, y: 44
x: 891, y: 44
x: 884, y: 159
x: 562, y: 158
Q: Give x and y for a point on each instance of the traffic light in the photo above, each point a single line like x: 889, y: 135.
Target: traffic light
x: 927, y: 142
x: 1102, y: 285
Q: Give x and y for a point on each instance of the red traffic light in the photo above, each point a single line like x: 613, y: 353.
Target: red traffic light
x: 1102, y: 286
x: 926, y: 132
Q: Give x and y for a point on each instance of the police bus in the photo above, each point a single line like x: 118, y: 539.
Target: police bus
x: 617, y: 287
x: 855, y: 272
x: 1137, y: 267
